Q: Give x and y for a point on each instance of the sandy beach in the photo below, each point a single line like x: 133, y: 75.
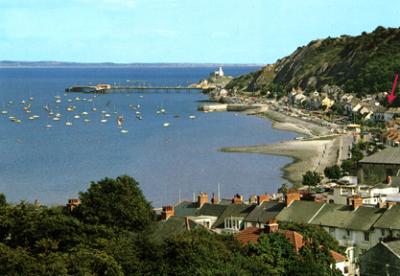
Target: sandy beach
x: 319, y: 150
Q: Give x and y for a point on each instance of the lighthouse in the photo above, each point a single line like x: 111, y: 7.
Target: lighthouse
x: 220, y: 72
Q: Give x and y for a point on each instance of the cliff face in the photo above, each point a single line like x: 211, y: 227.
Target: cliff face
x: 364, y: 64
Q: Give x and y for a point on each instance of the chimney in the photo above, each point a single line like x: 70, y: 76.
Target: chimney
x: 237, y: 199
x: 291, y: 196
x: 356, y: 201
x: 262, y: 198
x: 73, y: 203
x: 253, y: 199
x: 214, y: 199
x: 202, y: 198
x: 272, y: 226
x: 389, y: 180
x: 167, y: 212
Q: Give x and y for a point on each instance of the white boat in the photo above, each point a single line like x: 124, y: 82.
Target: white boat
x: 4, y: 112
x: 107, y: 115
x: 31, y: 98
x: 84, y: 113
x: 68, y: 123
x: 94, y: 109
x: 49, y: 126
x: 31, y: 118
x: 192, y: 117
x: 56, y: 119
x: 77, y: 117
x: 69, y: 100
x: 36, y: 116
x: 166, y: 124
x: 103, y: 121
x: 28, y: 111
x: 58, y: 101
x: 86, y: 121
x: 124, y: 131
x: 120, y: 121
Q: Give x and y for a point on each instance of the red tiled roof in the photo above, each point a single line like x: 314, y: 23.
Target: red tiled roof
x: 250, y: 234
x: 294, y: 239
x: 337, y: 256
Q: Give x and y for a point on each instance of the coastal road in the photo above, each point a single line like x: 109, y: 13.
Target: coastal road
x: 345, y: 143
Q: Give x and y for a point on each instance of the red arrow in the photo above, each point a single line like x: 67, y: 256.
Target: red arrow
x: 391, y: 97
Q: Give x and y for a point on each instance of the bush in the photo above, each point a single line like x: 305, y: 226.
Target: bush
x: 333, y: 172
x: 311, y: 178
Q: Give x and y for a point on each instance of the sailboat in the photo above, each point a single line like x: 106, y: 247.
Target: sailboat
x: 120, y: 121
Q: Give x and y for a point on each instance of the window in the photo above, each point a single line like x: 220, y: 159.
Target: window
x: 348, y: 233
x: 331, y: 230
x: 382, y: 232
x: 346, y: 269
x: 366, y: 236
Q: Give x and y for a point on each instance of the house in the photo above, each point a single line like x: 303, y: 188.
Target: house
x: 226, y: 216
x: 382, y: 259
x: 370, y: 195
x: 252, y: 235
x: 351, y: 225
x: 391, y: 113
x: 388, y: 225
x: 327, y: 103
x: 262, y: 213
x: 377, y: 167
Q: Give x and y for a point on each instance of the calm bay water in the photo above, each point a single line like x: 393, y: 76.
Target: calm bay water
x: 54, y: 164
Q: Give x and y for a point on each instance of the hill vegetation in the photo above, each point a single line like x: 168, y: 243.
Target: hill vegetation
x: 111, y: 233
x: 363, y: 64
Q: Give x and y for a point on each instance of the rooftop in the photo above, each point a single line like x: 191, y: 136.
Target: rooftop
x: 343, y: 216
x: 394, y: 246
x: 299, y: 211
x: 386, y: 156
x: 266, y: 211
x: 387, y: 219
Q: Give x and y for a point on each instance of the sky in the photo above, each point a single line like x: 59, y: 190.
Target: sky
x: 192, y: 31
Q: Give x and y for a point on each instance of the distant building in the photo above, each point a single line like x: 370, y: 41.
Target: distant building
x: 377, y: 167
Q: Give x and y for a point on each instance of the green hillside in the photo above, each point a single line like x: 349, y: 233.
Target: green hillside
x: 363, y: 64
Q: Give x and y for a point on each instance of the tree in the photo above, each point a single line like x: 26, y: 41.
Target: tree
x: 3, y: 201
x: 333, y: 172
x: 311, y: 178
x: 117, y: 203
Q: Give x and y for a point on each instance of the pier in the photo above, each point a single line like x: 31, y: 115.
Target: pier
x: 108, y: 89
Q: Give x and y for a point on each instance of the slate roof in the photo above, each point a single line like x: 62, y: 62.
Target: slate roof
x: 386, y: 156
x: 264, y: 212
x: 394, y: 246
x: 389, y: 219
x: 185, y: 209
x: 172, y: 226
x: 299, y: 211
x: 343, y: 216
x: 233, y: 210
x: 214, y: 210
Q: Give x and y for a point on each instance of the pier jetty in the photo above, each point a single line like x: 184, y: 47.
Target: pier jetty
x: 108, y: 88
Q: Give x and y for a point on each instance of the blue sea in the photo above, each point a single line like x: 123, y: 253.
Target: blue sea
x: 54, y: 164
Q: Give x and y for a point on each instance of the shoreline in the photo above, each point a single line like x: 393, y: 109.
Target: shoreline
x: 320, y: 149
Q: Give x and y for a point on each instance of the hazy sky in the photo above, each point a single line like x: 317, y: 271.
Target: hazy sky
x: 222, y: 31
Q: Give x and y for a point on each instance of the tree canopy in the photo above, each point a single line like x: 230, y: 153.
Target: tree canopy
x: 93, y: 240
x: 116, y: 202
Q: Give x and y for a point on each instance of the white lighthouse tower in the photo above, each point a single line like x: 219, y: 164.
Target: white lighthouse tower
x: 220, y: 72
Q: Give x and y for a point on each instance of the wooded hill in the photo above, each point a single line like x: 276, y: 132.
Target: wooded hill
x: 363, y: 64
